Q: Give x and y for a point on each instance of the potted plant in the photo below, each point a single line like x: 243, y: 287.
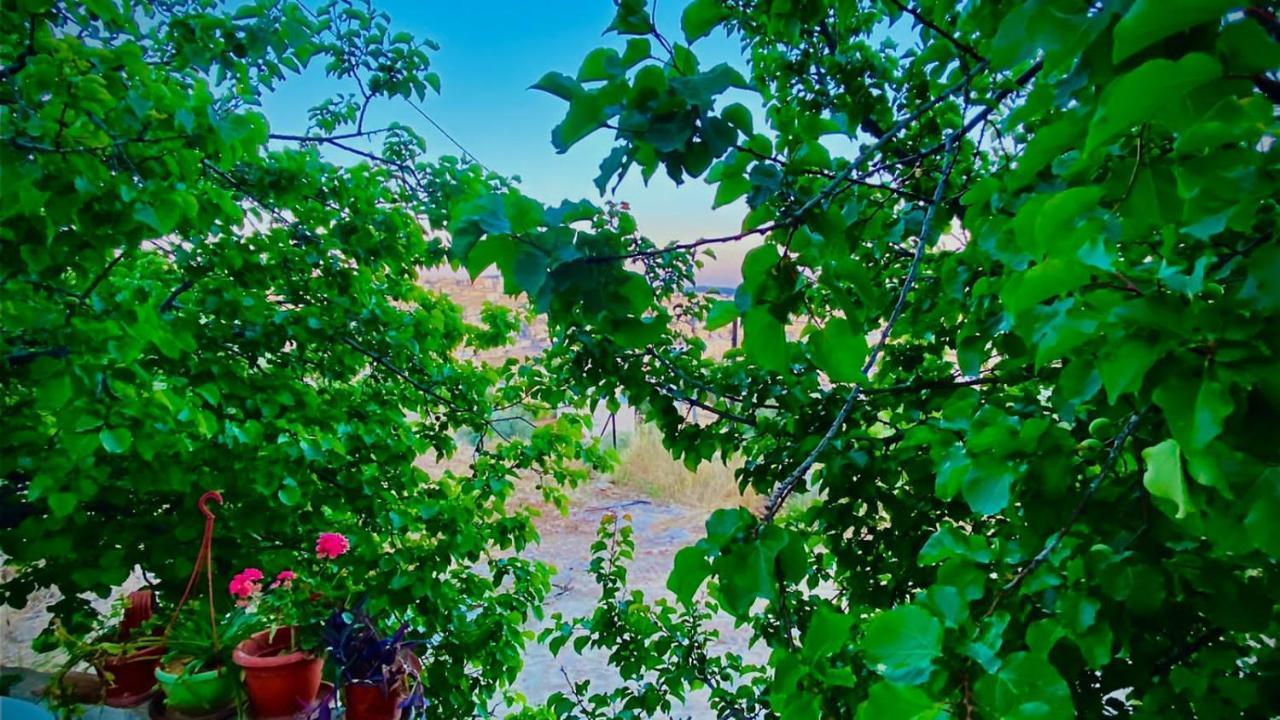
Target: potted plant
x: 124, y: 656
x: 378, y: 675
x: 283, y: 664
x: 196, y: 674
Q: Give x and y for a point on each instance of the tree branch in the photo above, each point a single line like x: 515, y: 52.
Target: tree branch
x: 949, y: 37
x: 1108, y: 466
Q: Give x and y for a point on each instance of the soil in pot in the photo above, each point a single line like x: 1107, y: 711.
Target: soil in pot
x: 130, y: 679
x: 197, y: 693
x: 370, y: 701
x: 279, y: 682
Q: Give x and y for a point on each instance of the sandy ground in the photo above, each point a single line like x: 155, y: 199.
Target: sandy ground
x: 660, y: 531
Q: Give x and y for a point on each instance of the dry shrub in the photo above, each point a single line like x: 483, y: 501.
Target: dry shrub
x: 646, y: 466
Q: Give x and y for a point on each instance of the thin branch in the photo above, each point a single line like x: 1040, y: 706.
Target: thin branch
x: 727, y: 415
x: 945, y: 383
x: 950, y: 37
x: 691, y: 245
x: 788, y: 485
x: 83, y: 297
x: 20, y: 62
x: 1165, y: 666
x: 385, y: 363
x: 173, y: 295
x: 326, y: 138
x: 335, y: 141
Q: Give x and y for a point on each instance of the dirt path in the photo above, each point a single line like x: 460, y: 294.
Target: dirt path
x: 660, y: 531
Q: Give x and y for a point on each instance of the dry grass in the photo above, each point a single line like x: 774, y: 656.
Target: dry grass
x: 647, y: 467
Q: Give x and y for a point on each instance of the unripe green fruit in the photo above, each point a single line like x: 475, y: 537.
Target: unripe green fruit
x: 1091, y: 444
x: 1101, y: 427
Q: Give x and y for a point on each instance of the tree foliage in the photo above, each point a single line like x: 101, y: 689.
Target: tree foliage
x: 191, y: 302
x: 1010, y: 318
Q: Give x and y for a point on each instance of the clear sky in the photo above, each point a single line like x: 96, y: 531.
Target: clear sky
x: 491, y: 51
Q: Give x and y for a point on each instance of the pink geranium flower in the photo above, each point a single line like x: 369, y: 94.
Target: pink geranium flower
x: 331, y: 545
x: 246, y: 583
x: 284, y: 578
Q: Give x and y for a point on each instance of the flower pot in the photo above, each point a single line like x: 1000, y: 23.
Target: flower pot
x: 279, y: 682
x: 370, y: 701
x: 198, y: 693
x: 130, y: 679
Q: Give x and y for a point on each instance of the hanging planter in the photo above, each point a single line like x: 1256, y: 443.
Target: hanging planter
x: 279, y: 679
x: 200, y: 693
x: 197, y: 677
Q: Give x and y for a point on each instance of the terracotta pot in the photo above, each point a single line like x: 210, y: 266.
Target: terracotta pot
x: 279, y: 683
x: 130, y: 679
x: 369, y: 701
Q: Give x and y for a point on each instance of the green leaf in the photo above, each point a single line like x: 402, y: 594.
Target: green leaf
x: 1195, y: 419
x: 558, y: 84
x: 721, y: 313
x: 828, y: 631
x: 952, y: 471
x: 1027, y: 687
x: 600, y: 64
x: 839, y: 351
x: 1163, y: 477
x: 700, y: 17
x: 1123, y: 365
x: 1141, y: 95
x: 724, y: 524
x: 901, y: 644
x: 891, y: 701
x: 1263, y: 521
x: 62, y: 503
x: 986, y: 486
x: 950, y: 541
x: 54, y: 392
x: 586, y: 115
x: 116, y: 440
x: 746, y: 572
x: 764, y: 340
x: 689, y: 571
x: 1150, y: 21
x: 289, y: 493
x: 1213, y: 407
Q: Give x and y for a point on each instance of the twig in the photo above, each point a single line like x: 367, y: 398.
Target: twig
x: 83, y: 297
x: 577, y: 699
x: 1166, y: 665
x: 20, y: 62
x: 1117, y: 445
x: 172, y: 298
x: 617, y: 506
x: 951, y: 38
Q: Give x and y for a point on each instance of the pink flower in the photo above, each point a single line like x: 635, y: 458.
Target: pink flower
x: 246, y: 583
x: 284, y: 578
x: 331, y: 545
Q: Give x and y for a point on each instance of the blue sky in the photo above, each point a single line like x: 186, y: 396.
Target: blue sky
x: 491, y: 51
